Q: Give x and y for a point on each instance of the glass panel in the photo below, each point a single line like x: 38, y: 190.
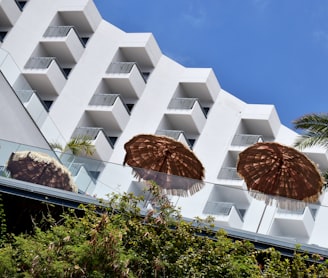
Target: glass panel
x: 194, y: 197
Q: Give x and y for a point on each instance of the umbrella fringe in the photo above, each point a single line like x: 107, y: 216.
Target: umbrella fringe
x: 282, y: 202
x: 175, y: 192
x: 184, y: 193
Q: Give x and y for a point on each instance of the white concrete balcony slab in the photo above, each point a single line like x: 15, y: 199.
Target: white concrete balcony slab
x: 9, y: 13
x: 103, y: 146
x: 297, y: 224
x: 126, y: 79
x: 45, y: 76
x: 109, y: 112
x: 202, y: 84
x: 186, y: 114
x: 261, y: 119
x: 83, y: 15
x: 224, y: 213
x: 141, y: 48
x: 319, y: 155
x: 64, y: 43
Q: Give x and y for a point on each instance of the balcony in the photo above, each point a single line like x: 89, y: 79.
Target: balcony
x: 242, y: 141
x: 85, y: 17
x: 225, y: 213
x: 109, y: 112
x: 296, y: 224
x: 45, y: 76
x: 178, y: 135
x: 9, y: 13
x: 141, y: 48
x: 261, y: 119
x: 245, y: 140
x: 103, y: 146
x: 64, y: 43
x: 34, y: 105
x: 319, y: 155
x: 229, y: 176
x: 201, y: 84
x: 186, y: 114
x: 125, y: 78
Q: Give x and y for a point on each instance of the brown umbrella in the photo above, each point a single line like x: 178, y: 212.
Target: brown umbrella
x: 41, y: 169
x: 171, y: 164
x: 280, y: 171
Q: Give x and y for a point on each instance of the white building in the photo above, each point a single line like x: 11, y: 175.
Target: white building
x: 75, y: 73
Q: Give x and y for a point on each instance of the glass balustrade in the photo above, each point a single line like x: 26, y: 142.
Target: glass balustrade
x: 99, y: 179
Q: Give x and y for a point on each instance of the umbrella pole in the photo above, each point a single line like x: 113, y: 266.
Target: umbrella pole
x: 147, y: 200
x: 258, y: 227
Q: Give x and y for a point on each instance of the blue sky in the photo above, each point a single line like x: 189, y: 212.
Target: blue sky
x: 262, y: 51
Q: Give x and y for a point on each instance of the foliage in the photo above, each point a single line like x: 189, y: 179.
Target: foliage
x: 3, y: 224
x: 315, y: 127
x: 77, y: 146
x: 117, y: 241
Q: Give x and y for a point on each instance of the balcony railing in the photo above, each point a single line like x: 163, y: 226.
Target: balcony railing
x: 229, y: 173
x: 43, y: 63
x: 39, y: 62
x: 293, y: 212
x: 123, y: 68
x: 182, y: 103
x: 104, y: 99
x: 60, y: 31
x: 88, y: 132
x: 218, y: 208
x: 25, y: 95
x: 246, y: 139
x: 178, y: 135
x: 120, y: 67
x: 175, y: 134
x: 185, y: 104
x: 107, y: 100
x: 57, y: 31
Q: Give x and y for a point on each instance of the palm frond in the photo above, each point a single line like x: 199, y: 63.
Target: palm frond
x: 56, y: 146
x: 315, y: 127
x: 81, y: 144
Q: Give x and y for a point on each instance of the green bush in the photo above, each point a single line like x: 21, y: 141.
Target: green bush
x: 118, y: 242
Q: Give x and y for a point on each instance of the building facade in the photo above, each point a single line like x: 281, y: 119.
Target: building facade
x: 67, y: 72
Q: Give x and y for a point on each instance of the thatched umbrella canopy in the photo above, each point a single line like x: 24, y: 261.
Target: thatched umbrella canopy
x: 274, y: 171
x: 170, y: 163
x: 41, y: 169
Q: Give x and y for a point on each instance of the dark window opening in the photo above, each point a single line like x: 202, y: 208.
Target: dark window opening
x: 94, y: 174
x: 242, y: 213
x: 67, y: 71
x: 21, y: 4
x: 85, y: 40
x: 206, y: 109
x: 112, y: 139
x: 191, y: 142
x: 146, y: 75
x: 129, y: 106
x: 48, y: 104
x: 2, y: 35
